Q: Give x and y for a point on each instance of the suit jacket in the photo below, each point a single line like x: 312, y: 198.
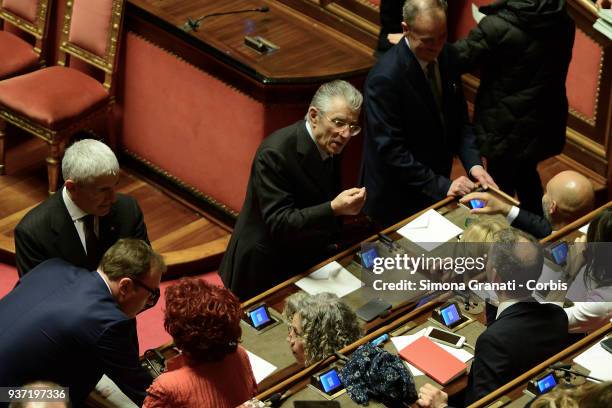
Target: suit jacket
x: 524, y: 335
x: 532, y: 223
x: 409, y: 146
x: 47, y: 231
x: 62, y: 324
x: 286, y: 224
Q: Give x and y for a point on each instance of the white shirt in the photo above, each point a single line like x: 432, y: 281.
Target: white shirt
x: 504, y: 305
x: 76, y: 214
x: 105, y: 282
x: 323, y: 153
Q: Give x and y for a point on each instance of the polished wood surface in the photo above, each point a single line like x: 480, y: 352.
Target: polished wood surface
x: 310, y: 50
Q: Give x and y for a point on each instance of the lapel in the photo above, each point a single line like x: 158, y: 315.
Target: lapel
x: 65, y: 236
x: 108, y: 228
x: 449, y: 87
x: 311, y: 163
x: 415, y: 76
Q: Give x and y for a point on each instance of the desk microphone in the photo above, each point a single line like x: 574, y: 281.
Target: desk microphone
x: 193, y: 25
x: 566, y: 368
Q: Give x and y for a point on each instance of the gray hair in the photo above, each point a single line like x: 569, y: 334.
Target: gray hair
x: 412, y: 8
x: 336, y: 89
x: 516, y: 255
x: 328, y: 324
x: 88, y: 159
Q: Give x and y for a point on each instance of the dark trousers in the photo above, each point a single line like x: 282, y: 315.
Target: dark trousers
x: 519, y: 178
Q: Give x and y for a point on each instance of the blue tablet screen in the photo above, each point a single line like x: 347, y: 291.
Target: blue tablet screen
x: 547, y: 383
x: 259, y: 316
x: 330, y: 381
x: 450, y: 315
x: 367, y: 258
x: 559, y: 252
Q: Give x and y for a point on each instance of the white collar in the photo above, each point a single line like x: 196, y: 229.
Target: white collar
x: 323, y: 153
x: 75, y: 212
x: 105, y: 282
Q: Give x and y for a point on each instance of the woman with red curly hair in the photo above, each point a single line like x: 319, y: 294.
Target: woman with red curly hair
x: 213, y: 370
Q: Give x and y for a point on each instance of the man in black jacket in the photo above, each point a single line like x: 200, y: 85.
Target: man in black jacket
x: 416, y: 121
x: 523, y: 49
x: 85, y: 218
x: 289, y: 219
x: 569, y: 195
x: 525, y: 332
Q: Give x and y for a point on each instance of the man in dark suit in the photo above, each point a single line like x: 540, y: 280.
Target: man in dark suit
x: 568, y: 196
x: 289, y: 220
x: 85, y: 218
x: 525, y: 332
x: 416, y: 121
x: 69, y: 325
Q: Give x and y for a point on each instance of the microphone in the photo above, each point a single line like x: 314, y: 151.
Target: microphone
x: 193, y: 25
x: 566, y: 368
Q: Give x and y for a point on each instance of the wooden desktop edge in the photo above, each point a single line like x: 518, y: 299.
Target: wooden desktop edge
x: 591, y: 338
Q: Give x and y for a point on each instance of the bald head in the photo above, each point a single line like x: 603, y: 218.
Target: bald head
x: 569, y: 195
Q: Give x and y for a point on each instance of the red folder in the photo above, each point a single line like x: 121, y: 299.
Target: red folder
x: 433, y: 360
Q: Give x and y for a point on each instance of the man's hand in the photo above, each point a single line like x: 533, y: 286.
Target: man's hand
x: 604, y: 4
x: 484, y: 178
x: 460, y: 186
x: 349, y: 202
x: 431, y: 397
x: 575, y: 258
x: 394, y: 38
x: 493, y: 205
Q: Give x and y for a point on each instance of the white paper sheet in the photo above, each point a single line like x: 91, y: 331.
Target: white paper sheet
x: 598, y: 361
x: 430, y: 230
x: 402, y: 341
x: 108, y: 394
x: 261, y: 368
x: 584, y: 228
x: 476, y: 14
x: 333, y: 278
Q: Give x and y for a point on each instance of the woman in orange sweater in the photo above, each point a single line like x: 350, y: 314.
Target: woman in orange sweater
x: 213, y: 370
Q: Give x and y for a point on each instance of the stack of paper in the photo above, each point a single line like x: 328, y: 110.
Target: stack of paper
x: 430, y: 230
x: 333, y: 278
x: 604, y: 23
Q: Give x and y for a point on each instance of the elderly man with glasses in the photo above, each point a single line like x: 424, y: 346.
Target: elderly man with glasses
x: 290, y: 218
x: 68, y: 325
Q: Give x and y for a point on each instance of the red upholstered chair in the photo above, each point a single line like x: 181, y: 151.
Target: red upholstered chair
x: 54, y: 103
x: 17, y: 56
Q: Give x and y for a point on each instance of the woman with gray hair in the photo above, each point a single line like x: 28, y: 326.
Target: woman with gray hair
x: 319, y: 325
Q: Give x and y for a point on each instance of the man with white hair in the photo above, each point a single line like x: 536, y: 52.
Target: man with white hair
x: 85, y: 218
x: 291, y: 214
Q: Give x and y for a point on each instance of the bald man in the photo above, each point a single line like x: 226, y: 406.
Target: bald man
x: 568, y: 196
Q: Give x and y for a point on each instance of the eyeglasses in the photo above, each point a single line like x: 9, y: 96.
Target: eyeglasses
x: 153, y: 294
x: 341, y: 126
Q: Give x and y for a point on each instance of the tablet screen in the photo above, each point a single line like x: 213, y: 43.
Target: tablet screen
x: 330, y: 381
x: 547, y: 383
x: 450, y: 315
x: 259, y: 316
x: 368, y: 257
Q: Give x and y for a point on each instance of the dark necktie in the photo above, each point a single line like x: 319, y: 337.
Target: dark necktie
x: 92, y: 242
x: 433, y: 84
